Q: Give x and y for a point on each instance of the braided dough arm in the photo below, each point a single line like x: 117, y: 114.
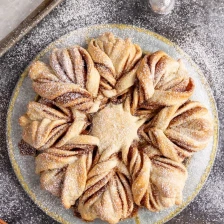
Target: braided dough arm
x: 157, y: 182
x: 180, y: 131
x: 64, y: 173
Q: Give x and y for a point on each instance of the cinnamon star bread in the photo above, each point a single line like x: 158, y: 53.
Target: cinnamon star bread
x: 113, y: 127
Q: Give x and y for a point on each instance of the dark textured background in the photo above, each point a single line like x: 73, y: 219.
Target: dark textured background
x: 196, y: 25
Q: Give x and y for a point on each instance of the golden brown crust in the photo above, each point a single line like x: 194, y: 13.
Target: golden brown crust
x: 157, y: 182
x: 108, y: 194
x: 72, y: 80
x: 163, y: 81
x: 117, y: 62
x: 63, y: 173
x: 44, y: 127
x: 178, y: 132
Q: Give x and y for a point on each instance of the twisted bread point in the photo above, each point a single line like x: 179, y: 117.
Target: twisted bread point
x: 178, y: 132
x: 73, y: 82
x: 117, y: 62
x: 44, y: 127
x: 108, y: 194
x: 163, y: 81
x: 64, y: 173
x: 75, y: 65
x: 157, y: 182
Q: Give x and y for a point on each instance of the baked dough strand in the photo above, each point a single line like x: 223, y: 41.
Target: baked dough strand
x: 72, y: 80
x: 180, y: 131
x: 157, y: 182
x: 116, y: 60
x: 163, y: 81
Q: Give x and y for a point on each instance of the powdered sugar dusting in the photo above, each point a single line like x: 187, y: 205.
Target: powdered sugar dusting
x: 197, y: 26
x: 121, y: 125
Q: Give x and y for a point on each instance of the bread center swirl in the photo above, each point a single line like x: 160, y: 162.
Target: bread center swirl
x: 115, y: 128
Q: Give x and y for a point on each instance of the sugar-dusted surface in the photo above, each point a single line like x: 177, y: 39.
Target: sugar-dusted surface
x: 197, y: 26
x: 121, y: 125
x: 26, y: 164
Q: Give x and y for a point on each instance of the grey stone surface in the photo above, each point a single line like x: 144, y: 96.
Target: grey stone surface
x: 196, y: 25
